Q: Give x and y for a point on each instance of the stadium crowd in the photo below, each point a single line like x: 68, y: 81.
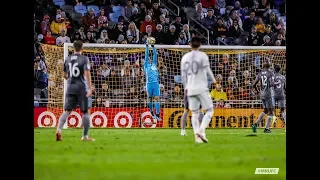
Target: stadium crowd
x: 229, y: 22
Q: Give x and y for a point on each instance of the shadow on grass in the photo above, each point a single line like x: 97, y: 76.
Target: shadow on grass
x: 251, y: 135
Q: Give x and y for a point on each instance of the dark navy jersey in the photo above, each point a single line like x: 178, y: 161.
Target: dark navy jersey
x: 266, y: 79
x: 279, y: 85
x: 75, y: 65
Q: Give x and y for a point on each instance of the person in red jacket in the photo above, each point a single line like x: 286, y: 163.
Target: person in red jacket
x: 208, y: 4
x: 45, y: 25
x: 48, y: 39
x: 89, y: 19
x: 147, y: 22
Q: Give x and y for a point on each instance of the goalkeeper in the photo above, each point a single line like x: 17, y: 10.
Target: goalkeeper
x: 152, y: 81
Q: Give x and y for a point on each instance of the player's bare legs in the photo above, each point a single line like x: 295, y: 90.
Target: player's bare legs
x: 62, y: 121
x: 258, y: 121
x: 157, y: 107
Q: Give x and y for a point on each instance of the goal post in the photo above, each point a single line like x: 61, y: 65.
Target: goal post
x: 120, y: 99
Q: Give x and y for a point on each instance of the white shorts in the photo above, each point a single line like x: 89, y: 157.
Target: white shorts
x: 202, y: 99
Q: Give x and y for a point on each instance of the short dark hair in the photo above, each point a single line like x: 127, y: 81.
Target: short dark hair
x: 266, y: 65
x: 195, y: 42
x: 77, y: 45
x: 277, y: 68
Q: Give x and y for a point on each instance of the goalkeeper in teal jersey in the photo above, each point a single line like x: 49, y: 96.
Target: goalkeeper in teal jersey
x: 152, y: 81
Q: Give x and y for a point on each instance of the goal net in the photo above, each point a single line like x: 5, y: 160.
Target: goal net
x: 120, y: 98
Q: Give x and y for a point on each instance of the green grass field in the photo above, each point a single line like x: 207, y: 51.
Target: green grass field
x: 158, y: 154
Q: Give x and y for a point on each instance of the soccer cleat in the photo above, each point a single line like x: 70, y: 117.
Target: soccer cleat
x: 183, y: 132
x: 58, y: 136
x: 267, y: 131
x: 202, y: 136
x: 158, y: 118
x: 87, y: 139
x: 198, y: 140
x: 254, y: 128
x: 274, y: 119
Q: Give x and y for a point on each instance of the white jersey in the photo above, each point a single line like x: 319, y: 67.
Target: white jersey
x: 196, y: 72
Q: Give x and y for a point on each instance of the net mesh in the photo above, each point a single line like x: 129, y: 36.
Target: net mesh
x: 120, y: 99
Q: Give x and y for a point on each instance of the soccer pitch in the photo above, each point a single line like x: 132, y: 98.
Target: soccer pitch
x: 158, y: 154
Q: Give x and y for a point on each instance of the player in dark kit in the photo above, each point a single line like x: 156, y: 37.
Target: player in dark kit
x: 266, y: 79
x: 279, y: 87
x: 77, y: 71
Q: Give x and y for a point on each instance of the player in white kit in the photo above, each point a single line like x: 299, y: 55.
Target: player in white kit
x: 195, y: 74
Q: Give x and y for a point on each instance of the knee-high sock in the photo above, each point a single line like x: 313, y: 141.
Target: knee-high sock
x: 86, y: 124
x: 157, y: 106
x: 260, y: 117
x: 195, y: 121
x: 184, y: 119
x: 206, y: 120
x: 269, y: 119
x: 201, y: 117
x: 150, y: 105
x: 62, y: 120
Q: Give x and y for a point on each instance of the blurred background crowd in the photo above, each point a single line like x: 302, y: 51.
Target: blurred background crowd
x: 171, y: 22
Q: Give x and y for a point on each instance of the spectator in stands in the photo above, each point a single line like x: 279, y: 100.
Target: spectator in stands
x: 82, y: 33
x: 255, y: 8
x: 76, y: 36
x: 234, y: 16
x: 158, y: 34
x: 267, y: 41
x: 148, y: 32
x: 260, y: 25
x: 220, y: 4
x: 127, y: 65
x: 217, y: 93
x: 177, y: 93
x: 186, y: 32
x: 182, y: 40
x: 209, y: 21
x: 98, y: 78
x: 240, y: 11
x: 143, y: 13
x: 48, y: 39
x: 226, y: 16
x: 132, y: 94
x: 267, y: 12
x: 273, y: 21
x: 230, y: 94
x: 105, y: 92
x: 233, y: 80
x: 135, y: 17
x: 63, y: 38
x: 243, y: 94
x: 59, y: 43
x: 280, y: 38
x: 165, y: 13
x: 93, y: 32
x: 268, y: 32
x: 41, y: 64
x: 208, y: 4
x: 177, y: 24
x: 102, y: 19
x: 249, y: 22
x: 164, y: 95
x: 147, y: 22
x: 119, y: 30
x: 89, y: 19
x: 163, y: 70
x: 128, y: 10
x: 104, y: 36
x: 57, y: 25
x: 127, y: 79
x: 200, y: 14
x: 262, y: 8
x: 113, y: 80
x: 165, y: 25
x: 254, y: 37
x: 45, y: 25
x: 98, y: 102
x: 106, y: 70
x: 235, y: 32
x: 171, y: 37
x: 156, y: 11
x: 219, y: 79
x: 104, y: 27
x: 90, y: 38
x: 220, y: 31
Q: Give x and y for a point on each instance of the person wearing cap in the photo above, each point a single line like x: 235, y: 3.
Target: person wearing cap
x: 267, y: 41
x: 158, y: 34
x: 89, y: 19
x: 135, y: 17
x: 268, y: 32
x: 146, y: 22
x: 63, y: 38
x: 57, y: 25
x: 186, y: 32
x: 45, y: 25
x: 171, y: 37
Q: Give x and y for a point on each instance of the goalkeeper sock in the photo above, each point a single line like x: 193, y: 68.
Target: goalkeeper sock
x: 86, y: 124
x: 150, y: 105
x: 184, y: 119
x: 269, y: 119
x: 62, y: 120
x: 261, y: 115
x: 206, y: 120
x: 201, y: 117
x: 157, y: 106
x: 195, y: 121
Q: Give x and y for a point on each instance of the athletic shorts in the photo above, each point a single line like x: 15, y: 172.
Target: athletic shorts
x: 202, y: 100
x: 153, y: 89
x: 268, y: 102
